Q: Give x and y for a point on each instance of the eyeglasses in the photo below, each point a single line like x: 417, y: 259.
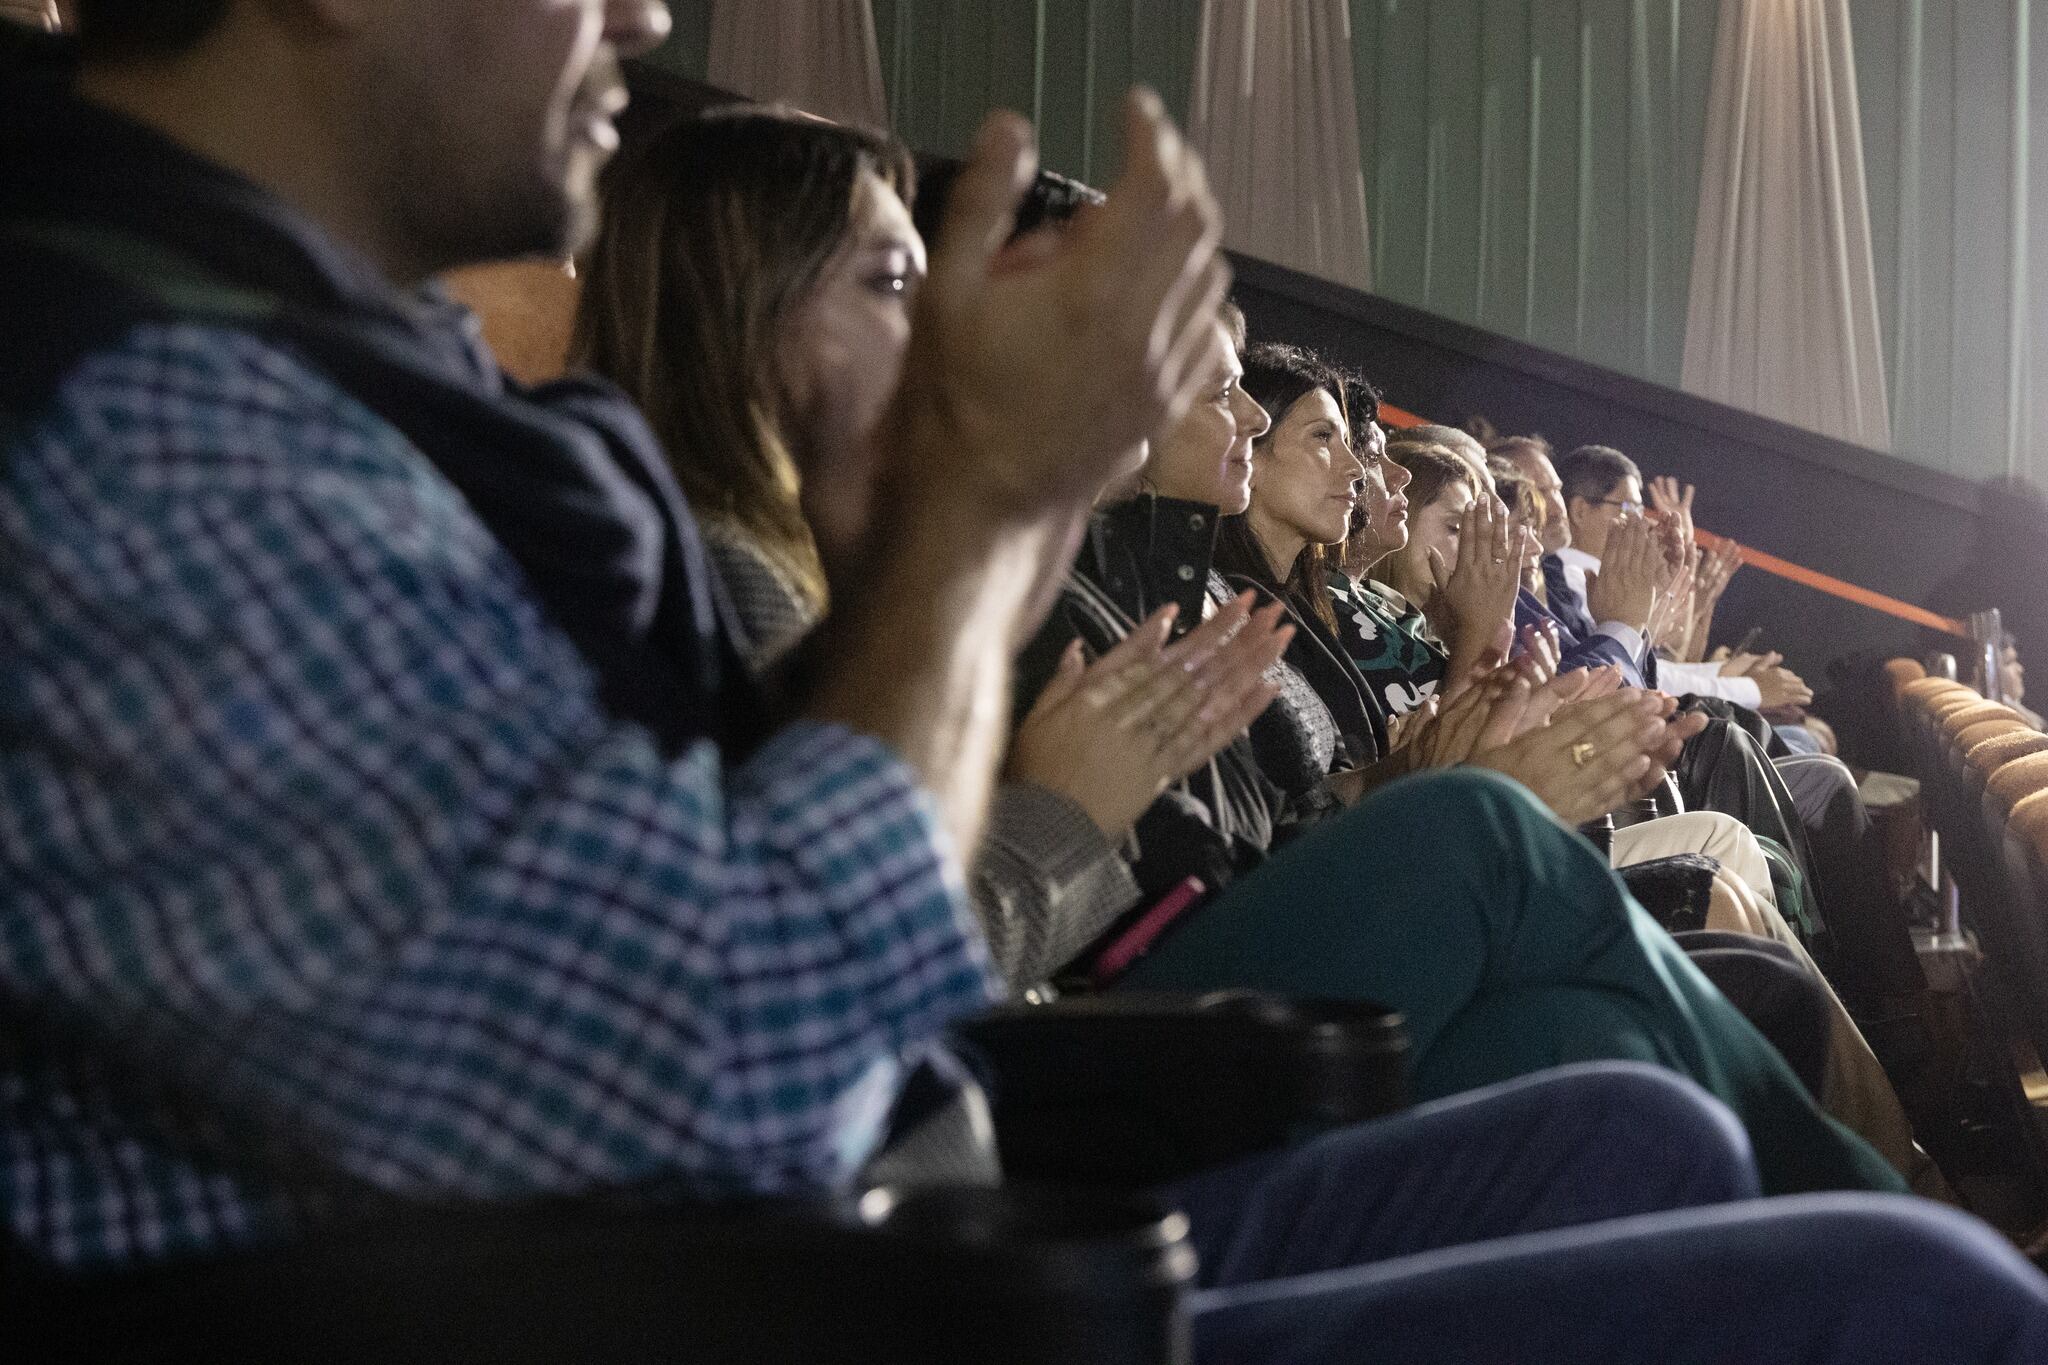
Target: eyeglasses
x: 1624, y: 504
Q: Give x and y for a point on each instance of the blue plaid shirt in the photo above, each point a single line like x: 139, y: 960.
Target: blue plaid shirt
x: 324, y: 878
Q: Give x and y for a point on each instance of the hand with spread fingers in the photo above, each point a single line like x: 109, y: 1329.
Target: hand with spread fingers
x: 1671, y: 619
x: 1595, y: 756
x: 1031, y: 374
x: 1539, y: 651
x: 1672, y: 501
x: 1625, y: 589
x: 1674, y: 549
x: 1717, y: 566
x: 1477, y: 593
x: 1111, y: 735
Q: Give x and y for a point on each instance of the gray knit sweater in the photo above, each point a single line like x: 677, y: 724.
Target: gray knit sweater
x: 1046, y: 882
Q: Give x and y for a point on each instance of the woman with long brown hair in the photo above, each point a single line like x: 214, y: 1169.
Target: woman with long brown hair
x: 752, y: 290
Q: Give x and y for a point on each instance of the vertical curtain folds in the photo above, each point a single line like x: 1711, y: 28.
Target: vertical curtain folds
x: 818, y: 55
x: 1783, y: 310
x: 1274, y: 115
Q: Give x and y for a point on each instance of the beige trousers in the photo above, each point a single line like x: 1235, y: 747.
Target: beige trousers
x: 1723, y: 838
x: 1856, y: 1091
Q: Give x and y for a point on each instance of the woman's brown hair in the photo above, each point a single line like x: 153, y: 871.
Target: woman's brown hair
x: 713, y: 232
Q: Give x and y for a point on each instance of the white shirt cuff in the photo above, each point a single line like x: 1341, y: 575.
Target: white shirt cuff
x: 1631, y: 639
x: 1707, y: 680
x: 1742, y: 691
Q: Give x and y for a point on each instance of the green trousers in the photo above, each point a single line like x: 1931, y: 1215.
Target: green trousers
x: 1510, y: 947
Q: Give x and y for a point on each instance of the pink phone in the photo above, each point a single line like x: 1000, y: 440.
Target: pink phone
x: 1133, y: 943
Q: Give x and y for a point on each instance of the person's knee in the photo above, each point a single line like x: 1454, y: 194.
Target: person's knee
x: 1657, y: 1116
x: 1728, y: 912
x: 1819, y: 769
x: 1463, y: 801
x: 1902, y: 1241
x: 1721, y: 833
x: 1820, y: 785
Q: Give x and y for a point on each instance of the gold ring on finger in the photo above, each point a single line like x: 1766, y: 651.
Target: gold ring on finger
x: 1580, y: 753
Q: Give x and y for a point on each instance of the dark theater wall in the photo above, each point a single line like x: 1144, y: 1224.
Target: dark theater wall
x: 1856, y: 514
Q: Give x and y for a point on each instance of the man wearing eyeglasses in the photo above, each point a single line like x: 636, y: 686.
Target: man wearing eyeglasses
x: 1603, y: 487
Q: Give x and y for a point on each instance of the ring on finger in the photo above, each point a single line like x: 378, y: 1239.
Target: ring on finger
x: 1580, y: 753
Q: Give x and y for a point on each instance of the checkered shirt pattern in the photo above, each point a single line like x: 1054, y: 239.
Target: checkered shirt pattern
x: 323, y: 877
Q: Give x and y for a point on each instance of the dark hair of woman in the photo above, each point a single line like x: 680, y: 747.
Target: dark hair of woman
x: 713, y: 232
x: 1277, y: 376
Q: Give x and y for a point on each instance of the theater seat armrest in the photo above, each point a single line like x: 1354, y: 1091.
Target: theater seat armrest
x: 891, y: 1277
x: 1132, y: 1089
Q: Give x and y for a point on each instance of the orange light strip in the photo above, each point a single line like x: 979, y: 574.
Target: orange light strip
x: 1781, y: 568
x: 1835, y: 587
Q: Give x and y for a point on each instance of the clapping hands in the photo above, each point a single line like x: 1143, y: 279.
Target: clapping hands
x: 1596, y: 755
x: 1111, y: 735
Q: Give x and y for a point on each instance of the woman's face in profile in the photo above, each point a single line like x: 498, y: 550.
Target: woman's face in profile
x: 841, y: 356
x: 1308, y: 478
x: 1207, y: 455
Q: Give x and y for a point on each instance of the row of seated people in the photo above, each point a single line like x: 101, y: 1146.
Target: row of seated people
x: 1117, y: 797
x: 402, y: 806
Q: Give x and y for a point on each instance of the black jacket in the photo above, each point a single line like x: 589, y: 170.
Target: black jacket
x: 1136, y: 558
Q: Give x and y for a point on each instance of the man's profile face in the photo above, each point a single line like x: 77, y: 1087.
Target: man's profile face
x: 498, y: 116
x: 1594, y: 518
x: 1542, y: 476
